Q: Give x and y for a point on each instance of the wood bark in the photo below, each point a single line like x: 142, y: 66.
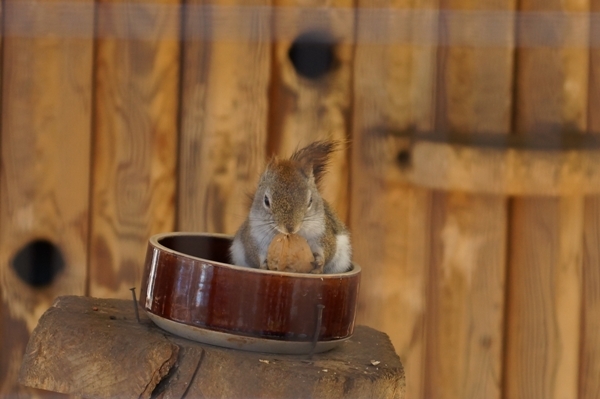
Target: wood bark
x: 96, y: 348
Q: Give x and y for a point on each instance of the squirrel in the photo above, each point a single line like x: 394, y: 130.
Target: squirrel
x: 288, y: 201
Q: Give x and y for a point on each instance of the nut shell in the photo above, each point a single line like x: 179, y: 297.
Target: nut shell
x: 290, y: 253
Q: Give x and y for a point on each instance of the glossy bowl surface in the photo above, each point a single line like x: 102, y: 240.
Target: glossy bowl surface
x: 189, y: 289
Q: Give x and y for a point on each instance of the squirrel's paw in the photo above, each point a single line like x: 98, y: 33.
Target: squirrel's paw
x: 318, y: 264
x: 264, y: 265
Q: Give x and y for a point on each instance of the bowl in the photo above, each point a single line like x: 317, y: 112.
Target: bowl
x: 190, y: 290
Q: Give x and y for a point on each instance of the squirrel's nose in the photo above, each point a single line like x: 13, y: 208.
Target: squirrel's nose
x: 289, y: 228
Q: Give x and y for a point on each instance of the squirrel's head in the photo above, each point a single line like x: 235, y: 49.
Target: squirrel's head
x: 288, y: 189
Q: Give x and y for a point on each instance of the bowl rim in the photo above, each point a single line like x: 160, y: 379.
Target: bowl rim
x: 154, y: 241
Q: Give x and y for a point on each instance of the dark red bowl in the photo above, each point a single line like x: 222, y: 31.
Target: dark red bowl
x: 188, y: 288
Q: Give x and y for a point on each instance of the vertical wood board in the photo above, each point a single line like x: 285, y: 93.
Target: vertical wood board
x: 589, y: 366
x: 546, y: 241
x: 543, y: 318
x: 304, y: 109
x: 393, y: 87
x: 466, y: 297
x: 44, y: 165
x: 135, y: 138
x: 468, y: 257
x: 226, y: 67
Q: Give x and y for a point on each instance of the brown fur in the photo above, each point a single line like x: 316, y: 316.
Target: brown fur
x: 287, y: 185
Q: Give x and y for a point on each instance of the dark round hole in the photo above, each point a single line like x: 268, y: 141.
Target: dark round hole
x: 312, y: 54
x: 38, y: 263
x: 403, y: 158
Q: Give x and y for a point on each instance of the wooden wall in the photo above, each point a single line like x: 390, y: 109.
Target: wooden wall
x: 121, y: 119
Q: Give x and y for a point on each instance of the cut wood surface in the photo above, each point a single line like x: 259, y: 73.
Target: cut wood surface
x: 96, y: 348
x: 546, y: 236
x: 468, y: 232
x: 135, y: 138
x: 389, y: 220
x: 304, y: 109
x: 44, y: 169
x: 226, y: 69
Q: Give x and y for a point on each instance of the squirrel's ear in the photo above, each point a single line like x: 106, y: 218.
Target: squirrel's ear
x: 314, y: 158
x: 272, y: 161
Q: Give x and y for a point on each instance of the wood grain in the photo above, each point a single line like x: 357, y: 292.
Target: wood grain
x: 303, y: 110
x: 135, y: 138
x: 44, y: 168
x: 544, y: 279
x: 589, y: 366
x: 468, y: 256
x: 389, y: 220
x: 124, y: 358
x: 92, y: 347
x: 505, y: 171
x: 545, y: 293
x: 466, y: 297
x: 224, y: 113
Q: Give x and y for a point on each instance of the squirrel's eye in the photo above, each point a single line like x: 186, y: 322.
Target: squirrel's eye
x: 267, y: 202
x: 310, y: 202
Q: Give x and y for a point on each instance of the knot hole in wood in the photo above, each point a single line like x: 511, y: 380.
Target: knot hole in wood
x: 312, y: 54
x: 38, y: 263
x: 403, y: 158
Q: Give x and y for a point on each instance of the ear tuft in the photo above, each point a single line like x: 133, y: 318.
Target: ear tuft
x: 314, y: 158
x: 272, y: 161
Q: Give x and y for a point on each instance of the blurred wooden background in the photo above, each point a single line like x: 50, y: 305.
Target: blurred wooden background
x: 121, y: 119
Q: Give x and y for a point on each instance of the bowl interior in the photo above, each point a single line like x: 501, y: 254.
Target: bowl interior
x: 215, y: 248
x: 209, y: 247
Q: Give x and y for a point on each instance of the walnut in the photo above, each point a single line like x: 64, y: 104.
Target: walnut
x: 290, y: 253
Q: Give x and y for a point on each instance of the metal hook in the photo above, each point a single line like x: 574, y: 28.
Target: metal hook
x: 317, y: 333
x: 135, y: 305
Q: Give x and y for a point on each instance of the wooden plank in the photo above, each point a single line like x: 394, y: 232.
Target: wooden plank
x: 466, y: 297
x: 545, y: 292
x: 128, y: 359
x: 468, y: 255
x: 135, y: 138
x: 393, y: 87
x: 544, y: 279
x: 506, y: 171
x: 44, y: 168
x: 589, y: 366
x: 226, y: 67
x: 305, y: 109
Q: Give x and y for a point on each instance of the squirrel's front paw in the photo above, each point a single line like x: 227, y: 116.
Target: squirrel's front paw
x: 264, y: 265
x: 318, y: 264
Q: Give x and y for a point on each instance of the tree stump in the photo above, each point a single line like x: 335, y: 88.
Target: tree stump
x: 96, y: 348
